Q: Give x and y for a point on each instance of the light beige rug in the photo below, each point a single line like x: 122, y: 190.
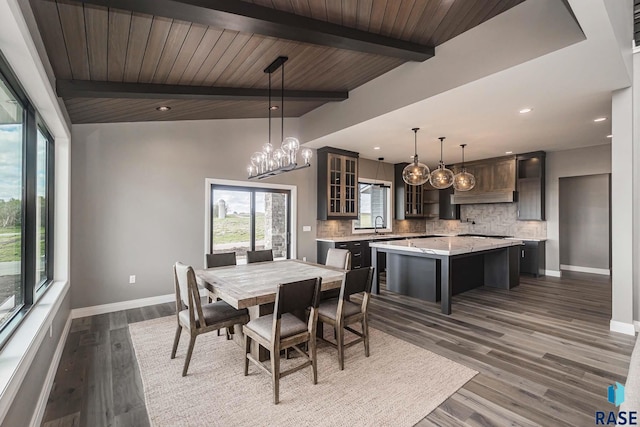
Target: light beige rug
x: 397, y: 385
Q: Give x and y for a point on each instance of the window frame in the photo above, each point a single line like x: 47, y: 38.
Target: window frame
x: 389, y: 226
x: 293, y: 211
x: 31, y: 123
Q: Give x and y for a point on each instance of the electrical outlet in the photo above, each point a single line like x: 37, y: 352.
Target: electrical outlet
x: 306, y: 228
x: 304, y: 258
x: 132, y: 279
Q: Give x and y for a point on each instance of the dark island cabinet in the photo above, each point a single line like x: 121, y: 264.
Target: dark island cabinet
x: 530, y: 186
x: 532, y: 258
x: 337, y: 184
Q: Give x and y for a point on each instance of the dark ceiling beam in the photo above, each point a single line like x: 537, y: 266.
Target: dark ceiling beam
x: 249, y: 18
x: 90, y: 89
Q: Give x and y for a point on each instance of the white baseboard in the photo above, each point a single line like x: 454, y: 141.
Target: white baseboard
x: 126, y: 305
x: 553, y: 273
x: 601, y: 271
x: 621, y: 327
x: 36, y: 420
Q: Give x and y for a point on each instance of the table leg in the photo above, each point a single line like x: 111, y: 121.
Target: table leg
x: 445, y: 285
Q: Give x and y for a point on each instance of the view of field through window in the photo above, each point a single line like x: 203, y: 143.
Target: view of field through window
x: 232, y: 222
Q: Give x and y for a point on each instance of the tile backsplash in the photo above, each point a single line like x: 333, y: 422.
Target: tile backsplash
x: 343, y: 228
x: 494, y: 218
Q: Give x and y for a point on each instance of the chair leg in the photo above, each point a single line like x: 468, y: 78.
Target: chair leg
x: 314, y: 362
x: 275, y: 374
x: 340, y: 339
x: 192, y: 342
x: 365, y: 333
x: 230, y: 332
x: 175, y: 342
x: 247, y: 350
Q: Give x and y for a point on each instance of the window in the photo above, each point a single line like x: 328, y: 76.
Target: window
x: 26, y: 203
x: 246, y: 219
x: 374, y: 206
x: 11, y: 203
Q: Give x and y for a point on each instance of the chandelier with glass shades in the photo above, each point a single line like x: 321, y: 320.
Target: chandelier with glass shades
x: 273, y: 161
x: 417, y: 173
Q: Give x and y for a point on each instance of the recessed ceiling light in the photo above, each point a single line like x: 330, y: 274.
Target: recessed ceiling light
x: 526, y: 110
x: 376, y: 148
x: 609, y: 136
x: 163, y: 108
x: 600, y: 119
x: 274, y: 107
x: 508, y: 152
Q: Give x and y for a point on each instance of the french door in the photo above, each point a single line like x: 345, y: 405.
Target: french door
x: 246, y: 219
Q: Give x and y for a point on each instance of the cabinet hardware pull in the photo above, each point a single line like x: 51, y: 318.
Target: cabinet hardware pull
x: 523, y: 253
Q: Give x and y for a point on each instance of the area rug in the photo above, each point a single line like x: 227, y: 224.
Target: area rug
x: 397, y: 385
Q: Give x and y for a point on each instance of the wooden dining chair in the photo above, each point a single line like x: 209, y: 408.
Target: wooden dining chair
x: 339, y: 258
x: 223, y: 259
x: 283, y: 330
x: 198, y: 318
x: 259, y: 256
x: 220, y: 260
x: 340, y: 312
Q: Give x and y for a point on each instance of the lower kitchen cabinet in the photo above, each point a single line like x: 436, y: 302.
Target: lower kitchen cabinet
x: 360, y: 253
x: 532, y: 257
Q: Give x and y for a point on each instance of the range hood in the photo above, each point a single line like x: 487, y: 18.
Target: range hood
x: 487, y: 197
x: 495, y: 182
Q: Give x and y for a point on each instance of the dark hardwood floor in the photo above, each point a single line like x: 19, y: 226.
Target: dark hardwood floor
x: 543, y: 351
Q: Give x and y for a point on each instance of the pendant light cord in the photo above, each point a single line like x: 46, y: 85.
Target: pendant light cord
x: 269, y: 108
x: 415, y: 146
x: 282, y: 105
x: 441, y: 152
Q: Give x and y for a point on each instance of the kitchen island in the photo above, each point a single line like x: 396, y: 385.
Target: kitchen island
x: 436, y: 268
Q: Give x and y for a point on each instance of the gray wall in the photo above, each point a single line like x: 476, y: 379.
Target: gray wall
x: 583, y: 161
x: 24, y: 404
x: 584, y: 221
x: 138, y: 200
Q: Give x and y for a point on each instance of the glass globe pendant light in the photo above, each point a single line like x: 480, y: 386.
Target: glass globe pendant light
x: 441, y: 177
x: 463, y: 180
x: 415, y: 173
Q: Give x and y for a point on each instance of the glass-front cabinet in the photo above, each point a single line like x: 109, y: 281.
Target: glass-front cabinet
x: 337, y: 184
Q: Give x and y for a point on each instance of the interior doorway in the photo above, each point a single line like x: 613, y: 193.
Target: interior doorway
x: 585, y: 224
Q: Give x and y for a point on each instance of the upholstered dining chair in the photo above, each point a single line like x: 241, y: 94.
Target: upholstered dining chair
x: 198, y: 318
x: 339, y: 258
x: 259, y: 256
x: 340, y: 312
x: 220, y: 260
x: 283, y: 330
x: 223, y: 259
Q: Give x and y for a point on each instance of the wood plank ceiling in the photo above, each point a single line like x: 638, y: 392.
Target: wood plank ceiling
x: 103, y: 44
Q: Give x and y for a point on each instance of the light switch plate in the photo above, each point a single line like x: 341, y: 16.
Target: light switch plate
x: 306, y: 228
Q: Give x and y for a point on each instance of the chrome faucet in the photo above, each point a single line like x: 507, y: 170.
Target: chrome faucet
x: 375, y: 223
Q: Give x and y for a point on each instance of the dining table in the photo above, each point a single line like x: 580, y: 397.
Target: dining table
x: 254, y: 286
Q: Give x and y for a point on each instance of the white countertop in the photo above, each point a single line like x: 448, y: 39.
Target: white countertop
x: 447, y: 245
x: 381, y: 236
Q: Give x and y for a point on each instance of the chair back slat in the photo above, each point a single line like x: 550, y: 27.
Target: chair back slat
x: 220, y: 260
x: 259, y: 256
x: 339, y: 258
x: 297, y: 296
x: 356, y: 281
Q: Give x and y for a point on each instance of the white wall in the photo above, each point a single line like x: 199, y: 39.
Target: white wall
x: 583, y: 161
x: 138, y: 200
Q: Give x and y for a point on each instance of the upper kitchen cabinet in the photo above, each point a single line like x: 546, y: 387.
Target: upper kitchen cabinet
x: 337, y: 184
x: 531, y: 177
x: 409, y: 199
